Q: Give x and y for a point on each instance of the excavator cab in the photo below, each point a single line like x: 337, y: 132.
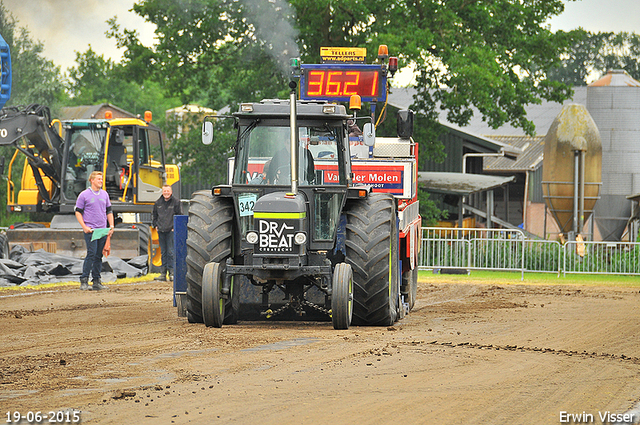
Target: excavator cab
x: 128, y: 151
x: 83, y: 156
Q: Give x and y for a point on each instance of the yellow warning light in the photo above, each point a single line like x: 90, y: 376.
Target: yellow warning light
x: 383, y: 51
x: 355, y: 102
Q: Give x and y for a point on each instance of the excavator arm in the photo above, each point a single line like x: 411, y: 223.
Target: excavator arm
x: 28, y: 129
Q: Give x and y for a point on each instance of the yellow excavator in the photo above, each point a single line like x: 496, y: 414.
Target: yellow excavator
x: 60, y: 156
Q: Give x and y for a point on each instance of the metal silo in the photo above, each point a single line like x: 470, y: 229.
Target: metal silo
x: 614, y: 103
x: 572, y: 168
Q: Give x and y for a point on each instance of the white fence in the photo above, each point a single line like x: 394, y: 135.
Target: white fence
x: 509, y: 250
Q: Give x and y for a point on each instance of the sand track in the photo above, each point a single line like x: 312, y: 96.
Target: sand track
x: 467, y: 354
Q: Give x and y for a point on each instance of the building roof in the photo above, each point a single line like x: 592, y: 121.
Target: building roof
x: 483, y: 143
x: 541, y: 115
x: 531, y: 158
x: 190, y: 108
x: 635, y: 197
x: 84, y: 112
x: 402, y: 98
x: 531, y: 147
x: 459, y: 183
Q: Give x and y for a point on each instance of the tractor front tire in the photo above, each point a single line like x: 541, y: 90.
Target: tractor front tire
x: 372, y: 252
x: 342, y: 296
x: 212, y: 301
x: 209, y: 239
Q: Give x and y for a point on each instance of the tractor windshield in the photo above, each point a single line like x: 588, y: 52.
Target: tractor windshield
x: 86, y: 146
x: 264, y: 156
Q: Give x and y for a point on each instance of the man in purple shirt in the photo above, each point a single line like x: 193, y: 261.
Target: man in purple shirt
x: 93, y: 211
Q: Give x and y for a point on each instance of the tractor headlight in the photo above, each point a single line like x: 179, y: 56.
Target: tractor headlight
x: 300, y: 238
x: 252, y: 238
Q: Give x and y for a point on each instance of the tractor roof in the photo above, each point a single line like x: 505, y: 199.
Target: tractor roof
x: 278, y: 108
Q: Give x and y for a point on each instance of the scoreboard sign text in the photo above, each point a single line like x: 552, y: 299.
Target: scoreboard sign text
x: 338, y: 82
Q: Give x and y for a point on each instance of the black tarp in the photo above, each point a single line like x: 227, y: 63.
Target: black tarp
x: 35, y: 268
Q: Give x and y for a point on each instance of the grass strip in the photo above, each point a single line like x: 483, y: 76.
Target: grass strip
x: 513, y: 278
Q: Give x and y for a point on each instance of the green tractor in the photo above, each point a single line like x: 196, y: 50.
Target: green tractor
x: 289, y: 231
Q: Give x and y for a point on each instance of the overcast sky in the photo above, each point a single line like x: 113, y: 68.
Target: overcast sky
x: 69, y: 26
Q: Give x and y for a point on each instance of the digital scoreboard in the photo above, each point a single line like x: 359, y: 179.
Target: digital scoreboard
x: 338, y: 82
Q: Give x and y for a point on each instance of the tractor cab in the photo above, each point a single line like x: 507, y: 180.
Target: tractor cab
x: 262, y: 167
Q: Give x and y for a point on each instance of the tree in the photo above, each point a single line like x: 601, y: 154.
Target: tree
x: 206, y: 52
x: 99, y: 80
x: 489, y: 56
x: 35, y: 79
x: 200, y: 164
x: 620, y: 51
x: 493, y: 56
x: 91, y: 80
x: 593, y: 54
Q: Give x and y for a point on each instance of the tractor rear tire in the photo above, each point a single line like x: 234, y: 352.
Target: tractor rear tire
x: 144, y: 238
x: 409, y: 287
x: 372, y: 252
x: 209, y: 239
x: 342, y: 296
x: 4, y: 246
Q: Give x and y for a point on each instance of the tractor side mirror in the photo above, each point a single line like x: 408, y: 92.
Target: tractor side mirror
x: 369, y: 134
x: 2, y: 165
x: 405, y: 124
x: 207, y: 132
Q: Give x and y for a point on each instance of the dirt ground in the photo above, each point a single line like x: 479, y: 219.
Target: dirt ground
x: 467, y: 354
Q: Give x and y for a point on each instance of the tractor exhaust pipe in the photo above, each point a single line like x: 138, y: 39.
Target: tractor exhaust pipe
x: 294, y: 137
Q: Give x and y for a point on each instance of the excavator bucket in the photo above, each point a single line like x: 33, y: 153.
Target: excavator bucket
x: 32, y: 122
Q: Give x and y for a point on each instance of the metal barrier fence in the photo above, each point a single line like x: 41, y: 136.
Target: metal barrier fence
x: 509, y: 250
x: 482, y: 249
x: 602, y: 258
x: 543, y: 256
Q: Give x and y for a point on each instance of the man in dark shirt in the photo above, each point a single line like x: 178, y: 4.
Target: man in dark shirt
x: 279, y: 171
x: 163, y: 211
